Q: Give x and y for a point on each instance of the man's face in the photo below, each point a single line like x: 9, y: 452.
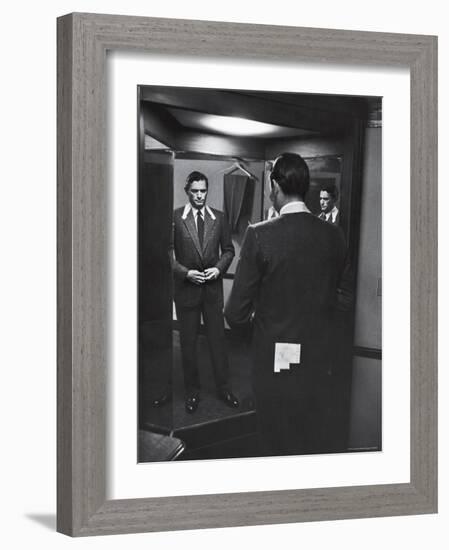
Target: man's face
x: 326, y: 202
x: 197, y: 194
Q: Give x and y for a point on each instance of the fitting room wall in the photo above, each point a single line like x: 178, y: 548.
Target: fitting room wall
x: 366, y: 410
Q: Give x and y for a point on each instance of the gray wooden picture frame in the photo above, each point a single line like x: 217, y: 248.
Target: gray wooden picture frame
x: 83, y: 40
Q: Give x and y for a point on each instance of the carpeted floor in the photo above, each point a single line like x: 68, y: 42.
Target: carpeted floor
x: 173, y: 415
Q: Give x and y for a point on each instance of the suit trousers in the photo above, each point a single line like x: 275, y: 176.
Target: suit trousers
x: 189, y: 328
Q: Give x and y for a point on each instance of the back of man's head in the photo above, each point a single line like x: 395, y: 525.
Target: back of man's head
x: 291, y: 173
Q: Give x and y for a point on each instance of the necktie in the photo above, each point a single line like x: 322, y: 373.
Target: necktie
x: 200, y: 227
x: 323, y: 216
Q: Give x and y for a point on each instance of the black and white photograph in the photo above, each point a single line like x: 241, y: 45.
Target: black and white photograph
x: 259, y: 273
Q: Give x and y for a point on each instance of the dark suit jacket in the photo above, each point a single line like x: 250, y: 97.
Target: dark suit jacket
x: 335, y: 222
x: 288, y: 274
x: 217, y: 251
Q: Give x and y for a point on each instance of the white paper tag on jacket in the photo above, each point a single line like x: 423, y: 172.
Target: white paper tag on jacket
x: 285, y: 354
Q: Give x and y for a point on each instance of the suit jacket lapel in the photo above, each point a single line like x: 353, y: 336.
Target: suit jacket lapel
x: 191, y: 228
x: 209, y: 224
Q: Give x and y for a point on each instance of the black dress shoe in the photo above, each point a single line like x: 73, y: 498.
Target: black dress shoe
x: 192, y: 402
x: 229, y: 398
x: 161, y: 400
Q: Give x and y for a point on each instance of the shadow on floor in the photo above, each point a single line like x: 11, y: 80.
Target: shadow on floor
x: 46, y: 520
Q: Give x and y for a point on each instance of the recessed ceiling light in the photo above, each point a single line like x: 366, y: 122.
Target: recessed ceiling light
x: 234, y: 126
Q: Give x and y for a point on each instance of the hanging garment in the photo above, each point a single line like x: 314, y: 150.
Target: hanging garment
x: 238, y: 200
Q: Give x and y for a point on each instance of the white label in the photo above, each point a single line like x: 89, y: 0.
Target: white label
x: 285, y: 354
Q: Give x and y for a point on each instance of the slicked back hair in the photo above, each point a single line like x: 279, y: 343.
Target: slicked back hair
x: 291, y: 173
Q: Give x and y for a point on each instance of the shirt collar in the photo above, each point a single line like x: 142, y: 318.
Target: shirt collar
x: 188, y: 208
x: 293, y: 207
x: 333, y: 214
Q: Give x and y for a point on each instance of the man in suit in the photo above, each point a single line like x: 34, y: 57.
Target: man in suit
x: 203, y: 251
x: 286, y: 288
x: 328, y: 204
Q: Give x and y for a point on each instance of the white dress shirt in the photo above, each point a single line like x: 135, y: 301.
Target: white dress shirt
x: 188, y: 207
x: 272, y: 213
x: 332, y: 215
x: 293, y: 207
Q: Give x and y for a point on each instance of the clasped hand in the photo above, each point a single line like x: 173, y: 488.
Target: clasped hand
x: 201, y: 277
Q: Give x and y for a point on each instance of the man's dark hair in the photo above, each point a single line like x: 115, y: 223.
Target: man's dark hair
x: 195, y: 176
x: 291, y: 173
x: 331, y: 189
